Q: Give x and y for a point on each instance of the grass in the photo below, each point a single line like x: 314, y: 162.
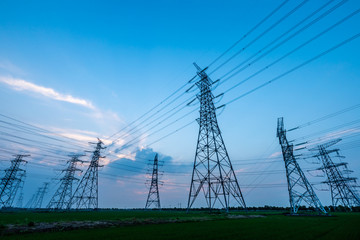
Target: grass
x: 273, y: 226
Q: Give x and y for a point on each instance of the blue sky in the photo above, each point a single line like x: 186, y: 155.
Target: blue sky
x: 87, y: 69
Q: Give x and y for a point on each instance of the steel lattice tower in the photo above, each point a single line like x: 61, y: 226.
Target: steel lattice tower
x: 40, y: 195
x: 19, y: 184
x: 11, y: 181
x: 19, y: 202
x: 213, y: 172
x: 29, y: 204
x: 86, y: 194
x: 63, y: 194
x: 153, y: 196
x: 37, y: 199
x: 298, y: 185
x: 341, y: 187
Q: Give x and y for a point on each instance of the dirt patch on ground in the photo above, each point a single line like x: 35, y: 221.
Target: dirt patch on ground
x: 72, y: 225
x: 32, y: 227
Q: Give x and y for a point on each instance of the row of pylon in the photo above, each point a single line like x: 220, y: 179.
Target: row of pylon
x: 212, y: 174
x: 85, y: 195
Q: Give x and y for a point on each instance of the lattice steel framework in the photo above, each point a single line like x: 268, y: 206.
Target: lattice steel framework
x: 19, y: 184
x: 40, y: 195
x: 11, y: 181
x: 86, y: 194
x: 342, y: 188
x: 19, y: 202
x: 62, y: 196
x: 213, y: 172
x: 299, y: 187
x: 30, y: 203
x: 37, y: 198
x: 153, y: 196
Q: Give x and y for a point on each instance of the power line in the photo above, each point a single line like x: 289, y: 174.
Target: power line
x: 282, y: 42
x: 261, y: 35
x: 250, y: 31
x: 331, y: 115
x: 296, y: 68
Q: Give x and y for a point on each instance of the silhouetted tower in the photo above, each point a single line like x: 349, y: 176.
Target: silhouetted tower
x: 40, y: 195
x: 29, y: 204
x: 19, y: 202
x: 12, y: 179
x: 86, y: 194
x: 37, y: 199
x: 299, y: 187
x: 63, y: 194
x: 19, y: 184
x: 213, y: 172
x: 342, y: 187
x: 153, y: 196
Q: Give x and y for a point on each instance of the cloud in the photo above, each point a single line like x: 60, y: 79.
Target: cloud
x: 331, y: 136
x: 10, y: 67
x: 22, y: 85
x: 275, y: 155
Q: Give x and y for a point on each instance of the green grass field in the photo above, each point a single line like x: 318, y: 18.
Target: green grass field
x: 216, y: 226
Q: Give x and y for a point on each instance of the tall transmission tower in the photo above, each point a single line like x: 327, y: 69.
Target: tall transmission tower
x: 37, y: 199
x: 299, y: 187
x: 40, y: 195
x: 19, y: 202
x: 11, y: 181
x: 19, y: 184
x: 29, y: 204
x: 86, y: 194
x: 153, y: 196
x: 213, y: 172
x: 342, y: 187
x: 62, y: 196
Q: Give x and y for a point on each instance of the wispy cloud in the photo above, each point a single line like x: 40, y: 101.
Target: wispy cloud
x: 331, y: 136
x: 23, y: 85
x: 9, y: 67
x: 275, y: 155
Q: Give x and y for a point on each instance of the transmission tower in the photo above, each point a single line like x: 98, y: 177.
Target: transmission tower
x: 298, y: 185
x: 40, y: 195
x: 19, y: 184
x: 10, y: 182
x: 29, y: 204
x: 37, y: 199
x: 63, y: 194
x: 213, y: 172
x: 19, y: 202
x: 86, y: 194
x: 153, y: 196
x: 342, y: 187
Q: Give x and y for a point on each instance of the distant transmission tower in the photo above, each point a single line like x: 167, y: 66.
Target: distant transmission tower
x: 11, y: 181
x: 213, y: 172
x: 29, y: 204
x: 19, y: 184
x: 40, y: 196
x: 63, y: 194
x: 86, y: 194
x: 298, y: 185
x: 342, y: 188
x: 19, y: 202
x: 37, y: 199
x: 153, y: 196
